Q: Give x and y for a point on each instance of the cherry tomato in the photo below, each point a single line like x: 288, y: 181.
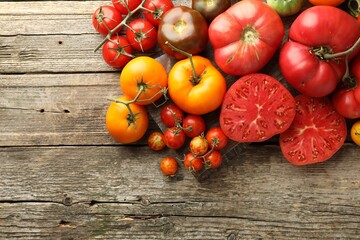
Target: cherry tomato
x: 124, y: 6
x: 155, y: 10
x: 156, y: 141
x: 333, y: 3
x: 174, y: 138
x: 216, y: 138
x: 199, y: 145
x: 106, y: 18
x: 213, y: 159
x: 171, y: 115
x: 117, y: 52
x: 192, y: 163
x: 138, y: 75
x: 193, y: 125
x: 168, y: 166
x: 141, y: 34
x: 123, y: 126
x: 355, y: 133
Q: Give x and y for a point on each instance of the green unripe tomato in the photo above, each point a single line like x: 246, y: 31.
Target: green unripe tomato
x: 286, y: 7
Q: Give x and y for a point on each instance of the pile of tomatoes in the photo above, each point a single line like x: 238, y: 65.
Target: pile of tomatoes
x: 319, y: 58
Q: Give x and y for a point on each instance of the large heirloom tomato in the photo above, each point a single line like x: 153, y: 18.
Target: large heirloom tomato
x: 184, y: 28
x: 255, y: 108
x: 245, y: 37
x: 346, y: 98
x: 306, y: 60
x: 210, y: 9
x: 316, y: 133
x: 198, y: 94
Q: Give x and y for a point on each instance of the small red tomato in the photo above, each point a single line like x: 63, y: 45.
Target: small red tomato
x: 216, y: 138
x: 156, y: 141
x: 194, y: 164
x: 171, y: 114
x: 117, y: 52
x: 174, y: 138
x: 194, y: 125
x: 124, y: 6
x: 154, y: 9
x: 199, y: 146
x: 141, y: 34
x: 106, y: 18
x: 168, y: 166
x: 213, y: 159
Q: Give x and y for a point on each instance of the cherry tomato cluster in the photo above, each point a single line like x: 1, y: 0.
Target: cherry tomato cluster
x: 204, y: 145
x: 140, y: 33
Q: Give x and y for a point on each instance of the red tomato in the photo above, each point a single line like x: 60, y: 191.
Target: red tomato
x: 155, y: 10
x: 216, y: 138
x: 156, y: 141
x: 124, y: 6
x: 174, y: 138
x: 316, y: 32
x: 199, y: 146
x: 106, y: 18
x: 193, y: 125
x: 141, y: 34
x: 245, y: 37
x: 213, y: 159
x: 168, y: 166
x: 316, y: 133
x: 171, y: 115
x: 255, y: 108
x: 194, y: 164
x: 117, y: 51
x: 346, y: 99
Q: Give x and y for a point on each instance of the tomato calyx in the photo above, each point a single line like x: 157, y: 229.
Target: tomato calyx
x: 322, y: 52
x: 249, y: 35
x: 140, y: 36
x: 354, y: 8
x: 120, y: 50
x: 157, y: 12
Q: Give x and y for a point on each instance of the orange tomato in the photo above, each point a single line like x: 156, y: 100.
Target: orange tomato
x: 143, y: 74
x: 355, y: 133
x: 122, y: 125
x: 196, y: 95
x: 334, y: 3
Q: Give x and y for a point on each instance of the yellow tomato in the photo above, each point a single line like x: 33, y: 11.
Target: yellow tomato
x: 334, y: 3
x: 355, y: 133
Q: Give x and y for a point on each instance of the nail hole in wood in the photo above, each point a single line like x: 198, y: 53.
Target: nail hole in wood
x: 60, y: 42
x: 42, y: 110
x: 66, y: 111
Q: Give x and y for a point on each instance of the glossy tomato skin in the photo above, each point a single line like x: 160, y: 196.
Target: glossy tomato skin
x: 131, y: 4
x: 198, y: 97
x: 118, y: 125
x: 174, y: 138
x: 199, y: 145
x: 106, y: 18
x: 171, y: 115
x: 168, y: 166
x: 210, y: 9
x: 193, y: 163
x: 346, y: 98
x: 355, y: 133
x: 216, y: 138
x: 117, y: 51
x: 213, y: 159
x: 255, y: 108
x: 316, y: 133
x: 141, y: 34
x: 139, y: 73
x: 184, y: 28
x: 316, y: 30
x: 333, y: 3
x: 245, y: 37
x: 193, y: 125
x: 286, y: 8
x: 158, y: 8
x: 156, y: 141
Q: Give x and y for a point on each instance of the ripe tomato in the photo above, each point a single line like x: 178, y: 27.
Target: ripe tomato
x: 124, y: 127
x: 255, y: 108
x: 355, y: 133
x: 117, y: 51
x: 155, y: 10
x: 314, y: 35
x: 171, y: 115
x: 156, y: 141
x: 213, y: 159
x: 124, y: 6
x: 245, y: 37
x: 199, y: 146
x: 138, y: 75
x: 334, y: 3
x: 286, y: 8
x: 174, y: 138
x: 141, y: 34
x: 184, y: 28
x: 316, y: 133
x: 346, y: 98
x: 193, y: 125
x: 203, y: 93
x: 192, y: 163
x: 210, y: 9
x: 106, y: 18
x: 216, y: 138
x: 168, y: 166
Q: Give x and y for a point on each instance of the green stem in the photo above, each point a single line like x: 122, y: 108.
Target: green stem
x: 354, y: 7
x: 346, y: 52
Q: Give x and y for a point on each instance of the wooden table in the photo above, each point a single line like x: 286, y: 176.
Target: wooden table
x: 63, y: 177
